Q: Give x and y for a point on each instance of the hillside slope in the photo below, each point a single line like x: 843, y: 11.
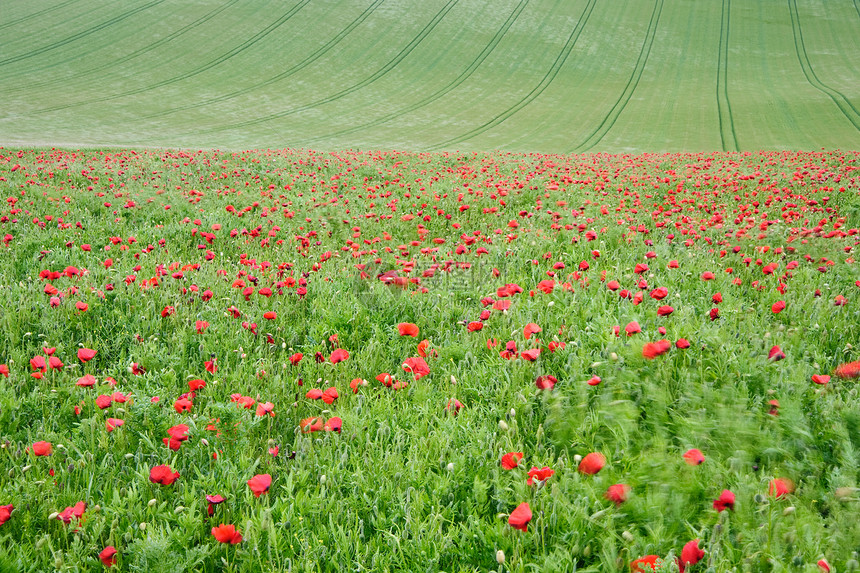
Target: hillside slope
x: 555, y: 76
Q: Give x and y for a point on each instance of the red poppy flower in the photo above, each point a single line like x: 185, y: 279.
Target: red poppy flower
x: 312, y: 424
x: 708, y: 276
x: 86, y: 381
x: 108, y: 556
x: 474, y: 326
x: 617, y: 493
x: 778, y: 307
x: 339, y: 355
x: 659, y: 293
x: 210, y: 366
x: 694, y: 457
x: 167, y: 311
x: 823, y: 565
x: 520, y: 517
x: 260, y: 483
x: 113, y: 423
x: 640, y: 268
x: 86, y: 354
x: 531, y: 328
x: 453, y: 406
x: 714, y: 314
x: 5, y: 513
x: 227, y: 534
x: 594, y: 381
x: 333, y: 425
x: 848, y: 370
x: 511, y: 460
x: 213, y: 500
x: 55, y: 363
x: 103, y: 401
x: 163, y: 475
x: 356, y: 382
x: 682, y: 343
x: 4, y: 370
x: 775, y: 354
x: 540, y: 474
x: 840, y: 300
x: 314, y: 394
x: 780, y: 487
x: 822, y: 379
x: 196, y: 384
x: 407, y: 329
x: 38, y: 363
x: 646, y: 564
x: 76, y: 512
x: 592, y: 463
x: 417, y: 366
x: 42, y: 449
x: 546, y: 382
x: 654, y: 349
x: 183, y: 405
x: 530, y: 355
x: 632, y: 328
x: 665, y: 310
x: 330, y: 395
x: 690, y: 554
x: 296, y: 358
x: 266, y: 408
x: 725, y: 501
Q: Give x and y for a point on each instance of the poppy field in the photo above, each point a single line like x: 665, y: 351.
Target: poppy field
x: 391, y: 361
x: 572, y: 76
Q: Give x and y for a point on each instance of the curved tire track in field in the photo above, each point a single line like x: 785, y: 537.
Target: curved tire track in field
x: 362, y: 84
x: 846, y: 107
x: 600, y: 132
x: 155, y: 45
x: 488, y: 49
x: 42, y: 12
x: 728, y: 137
x: 196, y: 71
x: 321, y: 51
x: 536, y: 91
x: 78, y: 35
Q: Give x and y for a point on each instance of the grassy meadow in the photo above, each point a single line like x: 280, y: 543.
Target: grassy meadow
x: 446, y: 286
x: 408, y: 347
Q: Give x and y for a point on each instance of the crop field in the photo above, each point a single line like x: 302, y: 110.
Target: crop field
x: 522, y: 286
x: 367, y: 361
x: 550, y: 76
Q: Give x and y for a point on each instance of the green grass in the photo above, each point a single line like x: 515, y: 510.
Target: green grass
x: 519, y: 75
x: 407, y: 485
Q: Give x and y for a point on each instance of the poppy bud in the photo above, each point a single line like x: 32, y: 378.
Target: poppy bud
x: 500, y: 557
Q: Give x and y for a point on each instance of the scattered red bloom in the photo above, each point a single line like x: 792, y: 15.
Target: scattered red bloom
x: 417, y: 366
x: 112, y: 423
x: 42, y: 449
x: 163, y: 475
x: 540, y: 474
x: 520, y: 517
x: 848, y: 370
x: 260, y: 483
x: 654, y: 349
x: 407, y: 329
x: 312, y: 424
x: 725, y: 501
x: 682, y: 343
x: 108, y: 556
x: 530, y: 355
x: 86, y: 354
x: 531, y: 328
x: 690, y: 554
x: 546, y: 382
x: 646, y: 564
x: 778, y: 307
x: 339, y: 355
x: 694, y: 457
x: 775, y: 354
x: 6, y: 513
x: 822, y: 379
x: 617, y: 493
x: 266, y: 408
x: 511, y: 460
x: 780, y: 487
x: 227, y: 534
x: 592, y: 463
x: 665, y: 310
x: 76, y: 512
